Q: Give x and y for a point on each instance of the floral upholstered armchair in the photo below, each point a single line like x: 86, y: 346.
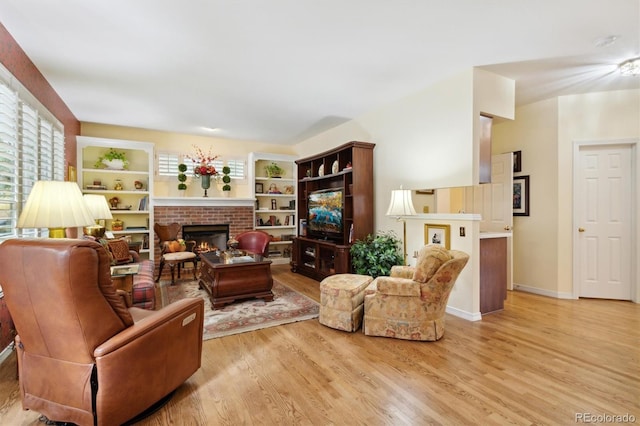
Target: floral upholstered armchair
x: 410, y: 304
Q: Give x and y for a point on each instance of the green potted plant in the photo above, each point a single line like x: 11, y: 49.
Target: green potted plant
x: 376, y: 254
x: 274, y: 170
x: 112, y: 159
x: 182, y: 177
x: 226, y: 179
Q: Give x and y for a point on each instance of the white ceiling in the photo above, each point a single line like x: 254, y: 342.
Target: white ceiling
x: 278, y: 71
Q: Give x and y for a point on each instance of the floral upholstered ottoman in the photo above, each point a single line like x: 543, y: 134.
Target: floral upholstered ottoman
x: 341, y: 301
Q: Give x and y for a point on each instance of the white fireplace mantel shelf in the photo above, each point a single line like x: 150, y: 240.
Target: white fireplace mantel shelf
x: 203, y: 202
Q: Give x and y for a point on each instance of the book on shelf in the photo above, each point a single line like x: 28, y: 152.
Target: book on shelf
x: 102, y: 187
x: 142, y: 204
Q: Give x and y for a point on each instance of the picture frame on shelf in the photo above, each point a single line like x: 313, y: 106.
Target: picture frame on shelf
x: 259, y: 188
x: 517, y: 161
x: 72, y: 175
x: 438, y: 234
x: 521, y: 195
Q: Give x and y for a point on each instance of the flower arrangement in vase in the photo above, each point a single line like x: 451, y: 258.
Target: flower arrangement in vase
x: 203, y: 167
x: 203, y: 163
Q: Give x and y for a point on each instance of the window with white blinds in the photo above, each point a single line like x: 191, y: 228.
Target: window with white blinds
x: 167, y: 165
x: 31, y: 149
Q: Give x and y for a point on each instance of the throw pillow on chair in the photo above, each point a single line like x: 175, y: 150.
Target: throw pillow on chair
x: 120, y: 251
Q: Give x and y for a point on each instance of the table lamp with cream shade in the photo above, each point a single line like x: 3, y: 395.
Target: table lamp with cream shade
x: 99, y: 209
x: 401, y: 205
x: 55, y: 205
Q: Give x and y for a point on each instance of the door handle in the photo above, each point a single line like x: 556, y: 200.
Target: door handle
x: 507, y: 228
x: 580, y: 229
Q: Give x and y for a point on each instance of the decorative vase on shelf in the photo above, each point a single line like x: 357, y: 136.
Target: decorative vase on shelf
x: 205, y: 182
x: 113, y: 164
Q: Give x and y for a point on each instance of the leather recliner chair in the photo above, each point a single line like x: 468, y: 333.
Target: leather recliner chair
x: 83, y: 356
x: 254, y: 241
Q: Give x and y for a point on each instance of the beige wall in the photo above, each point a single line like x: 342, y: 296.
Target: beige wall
x: 426, y: 140
x: 183, y: 144
x: 545, y: 132
x: 535, y: 251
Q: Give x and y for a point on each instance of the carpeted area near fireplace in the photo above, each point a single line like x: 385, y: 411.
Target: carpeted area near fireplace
x: 253, y: 314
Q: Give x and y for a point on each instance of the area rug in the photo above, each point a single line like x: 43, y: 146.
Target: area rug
x: 253, y: 314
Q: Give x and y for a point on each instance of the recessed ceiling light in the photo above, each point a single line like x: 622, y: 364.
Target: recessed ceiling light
x: 210, y: 129
x: 606, y: 41
x: 630, y: 67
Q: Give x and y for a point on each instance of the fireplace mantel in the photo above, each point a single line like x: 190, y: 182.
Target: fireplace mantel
x: 203, y: 202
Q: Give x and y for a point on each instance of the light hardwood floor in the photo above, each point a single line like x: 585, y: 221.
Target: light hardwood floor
x: 540, y: 361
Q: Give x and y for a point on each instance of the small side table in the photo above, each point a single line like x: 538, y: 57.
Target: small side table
x: 122, y: 278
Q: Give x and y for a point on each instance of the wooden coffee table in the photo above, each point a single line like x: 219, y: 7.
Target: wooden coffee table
x: 229, y: 278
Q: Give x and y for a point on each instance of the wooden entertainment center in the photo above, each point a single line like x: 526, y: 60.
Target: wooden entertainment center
x: 348, y: 167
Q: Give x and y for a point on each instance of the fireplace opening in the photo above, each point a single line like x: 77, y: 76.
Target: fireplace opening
x: 207, y: 237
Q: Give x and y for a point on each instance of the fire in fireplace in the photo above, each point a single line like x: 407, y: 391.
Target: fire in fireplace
x: 207, y: 237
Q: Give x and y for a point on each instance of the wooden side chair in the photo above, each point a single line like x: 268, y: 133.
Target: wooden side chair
x: 168, y: 236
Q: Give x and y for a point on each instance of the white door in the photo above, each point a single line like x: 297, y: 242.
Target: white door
x: 603, y: 221
x: 498, y: 195
x: 494, y: 201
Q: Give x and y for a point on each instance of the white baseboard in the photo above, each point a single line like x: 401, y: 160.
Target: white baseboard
x: 464, y: 314
x: 543, y: 292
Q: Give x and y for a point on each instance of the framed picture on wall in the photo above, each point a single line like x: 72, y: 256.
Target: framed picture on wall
x: 438, y: 234
x: 521, y: 195
x: 517, y: 161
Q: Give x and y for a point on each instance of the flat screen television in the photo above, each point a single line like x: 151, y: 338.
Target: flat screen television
x: 324, y: 213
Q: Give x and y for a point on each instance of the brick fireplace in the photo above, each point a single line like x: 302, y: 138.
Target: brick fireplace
x: 236, y: 212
